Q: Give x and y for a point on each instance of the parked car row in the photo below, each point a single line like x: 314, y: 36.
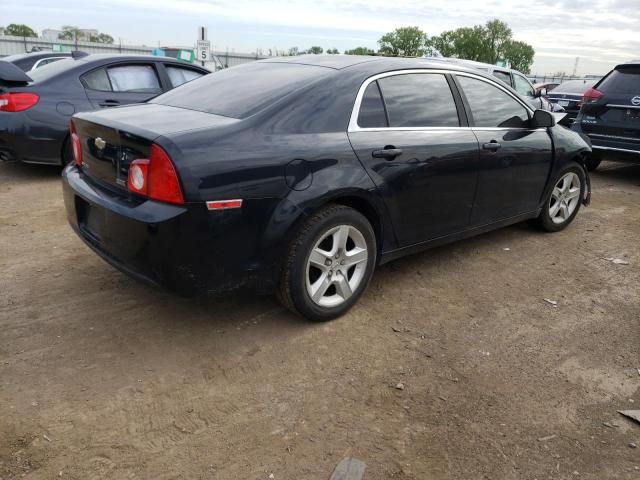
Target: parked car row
x: 35, y: 107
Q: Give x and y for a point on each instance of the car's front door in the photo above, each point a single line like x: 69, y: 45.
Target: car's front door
x: 418, y: 151
x: 515, y: 159
x: 121, y: 84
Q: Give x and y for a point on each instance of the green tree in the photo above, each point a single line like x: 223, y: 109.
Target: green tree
x: 333, y: 51
x: 19, y: 30
x: 467, y: 42
x: 359, y: 51
x: 315, y: 50
x: 293, y: 51
x: 520, y: 55
x: 498, y: 35
x: 483, y: 43
x: 70, y: 32
x: 404, y: 41
x: 101, y: 38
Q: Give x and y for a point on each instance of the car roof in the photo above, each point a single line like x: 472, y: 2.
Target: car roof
x: 101, y: 57
x: 40, y: 54
x: 370, y: 62
x: 631, y: 63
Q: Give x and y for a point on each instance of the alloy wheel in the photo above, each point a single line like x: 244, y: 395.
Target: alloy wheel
x: 564, y: 198
x: 336, y: 266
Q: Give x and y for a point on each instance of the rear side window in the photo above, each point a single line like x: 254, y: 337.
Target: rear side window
x: 97, y: 80
x: 134, y: 78
x: 179, y: 75
x: 241, y: 91
x: 419, y: 100
x: 372, y: 113
x: 624, y: 80
x: 504, y: 76
x: 491, y: 107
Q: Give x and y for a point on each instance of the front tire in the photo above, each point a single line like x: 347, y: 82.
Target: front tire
x: 563, y: 202
x: 329, y: 264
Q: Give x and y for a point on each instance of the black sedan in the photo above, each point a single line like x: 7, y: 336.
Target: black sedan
x: 35, y: 108
x: 302, y: 174
x: 569, y: 95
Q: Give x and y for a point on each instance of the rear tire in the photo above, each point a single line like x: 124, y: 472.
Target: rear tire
x: 593, y: 161
x: 563, y: 201
x: 329, y: 264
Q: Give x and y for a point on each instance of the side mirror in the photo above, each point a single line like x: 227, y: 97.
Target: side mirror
x: 543, y: 119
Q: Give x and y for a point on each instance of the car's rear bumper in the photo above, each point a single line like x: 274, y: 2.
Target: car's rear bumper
x: 26, y: 140
x: 620, y: 147
x: 186, y: 249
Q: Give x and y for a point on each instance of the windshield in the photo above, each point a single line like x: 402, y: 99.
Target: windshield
x: 51, y: 69
x: 241, y: 91
x: 623, y: 80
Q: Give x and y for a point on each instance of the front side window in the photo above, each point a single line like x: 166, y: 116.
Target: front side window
x: 419, y: 100
x: 372, y: 113
x: 492, y: 107
x: 522, y: 86
x: 179, y: 75
x: 134, y: 79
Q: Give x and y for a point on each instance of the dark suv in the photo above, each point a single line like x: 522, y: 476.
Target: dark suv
x: 610, y: 115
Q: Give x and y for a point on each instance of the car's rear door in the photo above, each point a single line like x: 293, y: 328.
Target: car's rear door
x: 515, y: 159
x: 407, y: 132
x: 614, y: 119
x: 121, y: 84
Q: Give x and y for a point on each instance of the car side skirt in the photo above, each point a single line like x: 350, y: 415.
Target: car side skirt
x: 471, y: 232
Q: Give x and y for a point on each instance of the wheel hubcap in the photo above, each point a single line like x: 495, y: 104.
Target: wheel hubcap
x: 564, y: 198
x: 336, y: 266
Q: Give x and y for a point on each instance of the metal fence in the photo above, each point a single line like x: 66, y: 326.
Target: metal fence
x: 560, y: 79
x: 11, y: 45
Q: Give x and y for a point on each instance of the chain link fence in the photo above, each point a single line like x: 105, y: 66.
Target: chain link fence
x: 10, y: 45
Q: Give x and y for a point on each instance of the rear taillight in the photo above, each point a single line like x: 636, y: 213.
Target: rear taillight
x: 17, y: 101
x: 155, y: 177
x: 75, y: 145
x: 592, y: 95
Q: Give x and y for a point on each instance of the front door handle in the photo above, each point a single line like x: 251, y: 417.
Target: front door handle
x: 493, y: 146
x: 387, y: 153
x: 110, y: 103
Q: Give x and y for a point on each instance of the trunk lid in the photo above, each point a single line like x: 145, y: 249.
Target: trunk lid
x: 112, y: 139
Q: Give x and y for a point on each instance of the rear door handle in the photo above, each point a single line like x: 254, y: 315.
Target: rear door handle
x: 387, y: 153
x: 110, y: 103
x: 493, y: 146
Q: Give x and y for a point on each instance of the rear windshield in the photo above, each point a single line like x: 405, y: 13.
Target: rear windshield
x: 51, y: 69
x: 574, y: 86
x: 624, y: 80
x: 241, y: 91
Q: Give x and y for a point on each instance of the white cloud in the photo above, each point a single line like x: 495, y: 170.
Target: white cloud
x: 601, y: 32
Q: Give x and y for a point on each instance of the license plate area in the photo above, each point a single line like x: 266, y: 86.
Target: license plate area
x: 90, y: 219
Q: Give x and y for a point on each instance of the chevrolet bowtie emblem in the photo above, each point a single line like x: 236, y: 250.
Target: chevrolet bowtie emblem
x: 99, y: 143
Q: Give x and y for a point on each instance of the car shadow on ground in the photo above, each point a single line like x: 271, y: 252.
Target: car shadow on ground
x: 627, y: 173
x: 28, y: 171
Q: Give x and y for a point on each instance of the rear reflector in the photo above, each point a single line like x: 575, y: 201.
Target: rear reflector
x: 224, y: 204
x: 155, y: 177
x: 17, y: 101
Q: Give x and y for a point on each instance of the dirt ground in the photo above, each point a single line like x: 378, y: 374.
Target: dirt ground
x: 104, y: 378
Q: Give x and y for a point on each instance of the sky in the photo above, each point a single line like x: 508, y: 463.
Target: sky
x: 601, y: 33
